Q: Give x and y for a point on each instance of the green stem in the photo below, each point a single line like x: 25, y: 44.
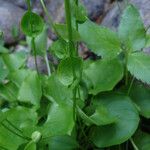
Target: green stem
x: 69, y: 26
x: 71, y: 48
x: 133, y: 144
x: 35, y: 55
x: 49, y: 17
x: 77, y: 27
x: 47, y: 64
x: 29, y: 5
x: 131, y: 84
x: 14, y: 132
x: 126, y: 69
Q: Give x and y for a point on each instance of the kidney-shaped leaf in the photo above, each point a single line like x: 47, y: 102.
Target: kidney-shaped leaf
x: 127, y: 122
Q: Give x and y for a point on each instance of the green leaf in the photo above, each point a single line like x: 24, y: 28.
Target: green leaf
x: 79, y: 12
x: 9, y: 92
x: 131, y: 29
x: 62, y: 31
x: 25, y: 119
x: 147, y: 45
x: 14, y: 61
x: 8, y: 140
x: 124, y: 110
x: 61, y: 143
x: 3, y: 70
x: 142, y: 140
x: 101, y: 116
x: 30, y: 90
x: 59, y: 49
x: 2, y: 116
x: 40, y: 42
x: 139, y: 66
x: 104, y: 75
x: 53, y: 90
x: 32, y: 24
x: 68, y: 68
x: 30, y: 146
x: 18, y: 76
x: 3, y: 49
x: 60, y: 120
x: 141, y: 96
x: 100, y: 40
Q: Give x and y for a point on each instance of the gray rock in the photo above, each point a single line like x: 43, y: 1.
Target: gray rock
x: 112, y: 18
x: 10, y: 16
x: 40, y: 62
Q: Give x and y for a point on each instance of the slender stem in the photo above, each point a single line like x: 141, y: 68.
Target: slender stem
x: 133, y: 144
x: 71, y: 48
x: 14, y: 132
x: 126, y: 70
x: 77, y: 27
x: 131, y: 84
x: 47, y: 64
x: 29, y: 5
x: 49, y: 17
x: 35, y: 55
x: 74, y: 102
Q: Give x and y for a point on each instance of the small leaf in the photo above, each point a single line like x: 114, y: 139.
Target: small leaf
x: 68, y: 68
x: 141, y: 96
x: 80, y: 12
x: 32, y: 24
x: 103, y: 74
x: 124, y: 110
x: 100, y: 40
x: 59, y: 49
x: 62, y: 31
x: 142, y: 140
x: 131, y: 29
x: 30, y: 90
x: 139, y: 66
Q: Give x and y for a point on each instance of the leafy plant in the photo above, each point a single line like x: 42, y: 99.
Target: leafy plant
x: 81, y: 104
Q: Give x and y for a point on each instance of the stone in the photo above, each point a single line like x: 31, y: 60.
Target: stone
x: 10, y: 16
x: 112, y: 18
